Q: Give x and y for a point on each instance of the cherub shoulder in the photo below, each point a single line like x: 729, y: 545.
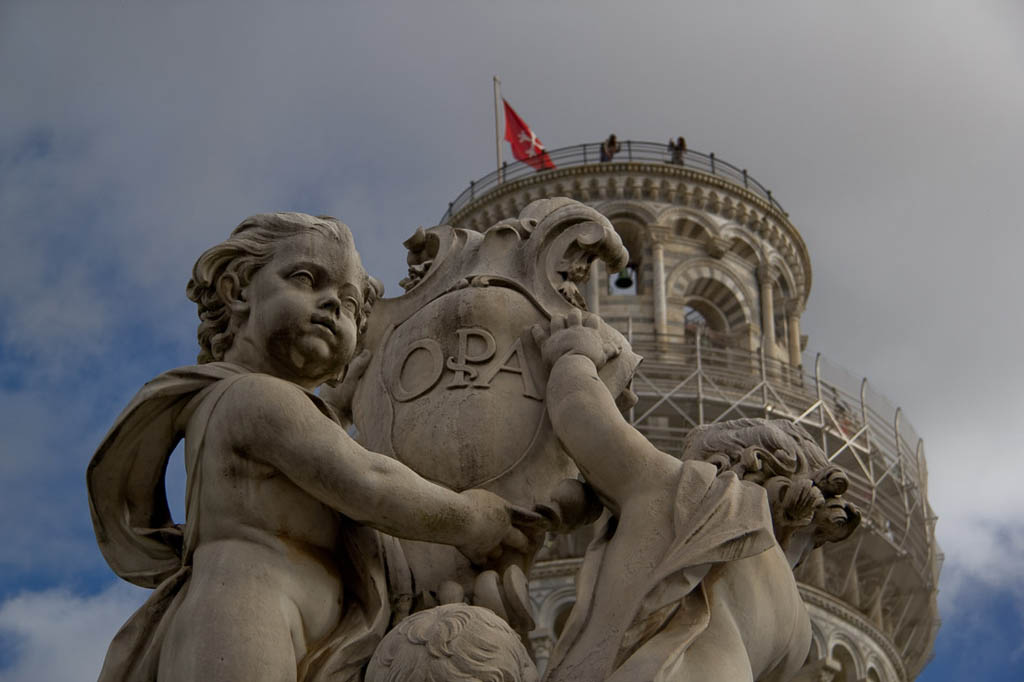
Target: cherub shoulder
x: 264, y: 408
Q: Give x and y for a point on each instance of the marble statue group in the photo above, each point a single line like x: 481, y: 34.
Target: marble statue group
x: 383, y: 529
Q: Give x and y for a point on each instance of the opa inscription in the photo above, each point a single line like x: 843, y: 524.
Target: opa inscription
x: 474, y: 366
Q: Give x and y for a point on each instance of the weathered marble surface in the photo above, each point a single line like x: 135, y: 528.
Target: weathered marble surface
x: 452, y: 642
x: 281, y: 569
x: 456, y: 385
x: 685, y: 580
x: 488, y: 410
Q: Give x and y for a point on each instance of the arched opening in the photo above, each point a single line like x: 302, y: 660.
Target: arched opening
x: 691, y: 229
x: 625, y: 282
x: 632, y: 279
x: 814, y: 653
x: 694, y: 316
x: 563, y: 614
x: 847, y: 665
x: 711, y: 308
x: 745, y: 251
x: 702, y: 313
x: 707, y: 295
x: 781, y: 296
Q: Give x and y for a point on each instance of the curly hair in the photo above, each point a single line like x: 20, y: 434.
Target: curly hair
x: 449, y: 643
x: 804, y: 488
x: 756, y: 449
x: 251, y: 246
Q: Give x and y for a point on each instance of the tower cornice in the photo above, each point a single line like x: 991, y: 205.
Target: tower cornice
x: 668, y: 186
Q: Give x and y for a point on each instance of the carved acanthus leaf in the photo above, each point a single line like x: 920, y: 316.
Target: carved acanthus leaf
x: 567, y: 238
x: 804, y: 489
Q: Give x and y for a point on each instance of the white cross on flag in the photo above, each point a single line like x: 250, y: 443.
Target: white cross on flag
x: 525, y: 145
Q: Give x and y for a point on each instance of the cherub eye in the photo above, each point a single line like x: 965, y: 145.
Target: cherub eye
x: 303, y: 276
x: 350, y: 304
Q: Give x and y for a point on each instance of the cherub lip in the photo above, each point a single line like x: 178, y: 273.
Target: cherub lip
x: 327, y: 323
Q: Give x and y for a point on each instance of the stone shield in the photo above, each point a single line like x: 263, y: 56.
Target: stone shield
x: 455, y: 389
x: 465, y: 385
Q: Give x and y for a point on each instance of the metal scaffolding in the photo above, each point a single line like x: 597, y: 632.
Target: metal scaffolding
x: 882, y: 583
x: 889, y: 570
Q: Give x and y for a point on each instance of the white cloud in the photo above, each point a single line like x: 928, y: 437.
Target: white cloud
x: 59, y: 636
x: 988, y: 553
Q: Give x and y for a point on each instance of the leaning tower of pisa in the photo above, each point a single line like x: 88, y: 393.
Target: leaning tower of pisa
x: 717, y: 280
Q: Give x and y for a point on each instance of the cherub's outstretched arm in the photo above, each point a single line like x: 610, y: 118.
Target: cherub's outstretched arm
x: 272, y: 421
x: 614, y: 457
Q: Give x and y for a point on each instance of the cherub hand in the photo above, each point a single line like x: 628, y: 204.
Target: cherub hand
x: 576, y: 332
x: 492, y: 531
x: 339, y: 394
x: 573, y: 504
x: 507, y: 595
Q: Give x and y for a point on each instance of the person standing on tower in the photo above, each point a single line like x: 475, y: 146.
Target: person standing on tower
x: 609, y: 148
x: 678, y: 149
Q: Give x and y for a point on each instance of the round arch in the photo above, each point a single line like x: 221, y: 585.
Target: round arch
x: 625, y: 208
x: 714, y: 317
x: 776, y: 260
x: 561, y: 615
x: 631, y: 226
x: 684, y: 278
x: 670, y: 215
x: 634, y: 234
x: 555, y: 605
x: 817, y: 649
x: 875, y: 669
x: 845, y: 653
x: 735, y: 231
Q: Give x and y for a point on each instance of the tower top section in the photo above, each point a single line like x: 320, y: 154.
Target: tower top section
x: 712, y: 293
x: 690, y: 194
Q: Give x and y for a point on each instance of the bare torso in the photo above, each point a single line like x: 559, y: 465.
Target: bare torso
x: 278, y: 483
x: 757, y: 616
x: 265, y: 584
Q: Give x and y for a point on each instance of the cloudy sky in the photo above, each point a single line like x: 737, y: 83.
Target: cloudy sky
x: 134, y: 135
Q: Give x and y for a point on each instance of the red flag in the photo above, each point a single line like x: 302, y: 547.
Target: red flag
x: 525, y: 145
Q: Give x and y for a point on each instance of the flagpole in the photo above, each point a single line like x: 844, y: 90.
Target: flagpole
x: 497, y: 126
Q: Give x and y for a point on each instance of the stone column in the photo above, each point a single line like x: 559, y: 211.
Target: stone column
x: 660, y: 303
x: 542, y: 645
x: 793, y: 312
x: 594, y: 288
x: 765, y: 277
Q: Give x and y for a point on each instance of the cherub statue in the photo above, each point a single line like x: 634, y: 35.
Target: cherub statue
x: 455, y: 387
x: 279, y: 572
x: 685, y: 580
x: 452, y: 642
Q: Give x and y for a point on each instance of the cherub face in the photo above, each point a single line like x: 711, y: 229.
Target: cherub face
x: 303, y: 305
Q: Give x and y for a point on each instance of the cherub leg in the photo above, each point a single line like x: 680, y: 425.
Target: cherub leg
x: 232, y: 635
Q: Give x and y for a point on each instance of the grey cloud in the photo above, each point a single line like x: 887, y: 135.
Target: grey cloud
x: 890, y: 132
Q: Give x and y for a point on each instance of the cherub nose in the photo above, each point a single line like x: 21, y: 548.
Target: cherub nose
x: 332, y: 304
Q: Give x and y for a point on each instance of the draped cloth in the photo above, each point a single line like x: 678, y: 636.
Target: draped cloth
x: 141, y: 543
x: 715, y: 519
